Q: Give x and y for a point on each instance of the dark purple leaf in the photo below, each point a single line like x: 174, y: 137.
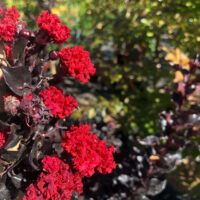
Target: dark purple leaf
x: 155, y: 186
x: 17, y: 79
x: 4, y: 125
x: 10, y: 156
x: 17, y: 180
x: 12, y: 140
x: 18, y: 51
x: 3, y: 92
x: 34, y: 154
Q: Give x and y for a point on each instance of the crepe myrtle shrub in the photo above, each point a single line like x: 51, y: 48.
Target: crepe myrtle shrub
x: 42, y: 153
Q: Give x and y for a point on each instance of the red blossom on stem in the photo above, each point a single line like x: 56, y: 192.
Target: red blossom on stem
x: 53, y: 26
x: 8, y: 23
x: 77, y: 62
x: 59, y: 105
x: 88, y: 151
x: 57, y: 182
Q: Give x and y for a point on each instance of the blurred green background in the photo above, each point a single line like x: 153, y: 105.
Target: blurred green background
x: 129, y: 41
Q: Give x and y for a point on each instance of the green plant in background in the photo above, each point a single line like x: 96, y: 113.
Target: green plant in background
x: 127, y: 38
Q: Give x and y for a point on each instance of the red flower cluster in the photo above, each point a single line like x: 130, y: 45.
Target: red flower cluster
x: 56, y: 183
x: 59, y: 105
x: 53, y: 26
x: 78, y: 63
x: 88, y: 152
x: 2, y: 139
x: 8, y: 23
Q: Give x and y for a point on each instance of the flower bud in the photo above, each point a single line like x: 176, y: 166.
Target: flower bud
x: 25, y: 33
x: 53, y: 55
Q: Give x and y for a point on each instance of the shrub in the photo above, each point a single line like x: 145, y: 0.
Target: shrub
x: 40, y: 149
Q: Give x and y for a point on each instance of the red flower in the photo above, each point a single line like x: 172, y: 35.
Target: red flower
x: 53, y: 26
x: 11, y: 13
x: 52, y: 164
x: 59, y: 105
x: 88, y: 152
x: 8, y: 23
x: 56, y: 183
x: 78, y: 63
x: 2, y: 139
x: 31, y: 193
